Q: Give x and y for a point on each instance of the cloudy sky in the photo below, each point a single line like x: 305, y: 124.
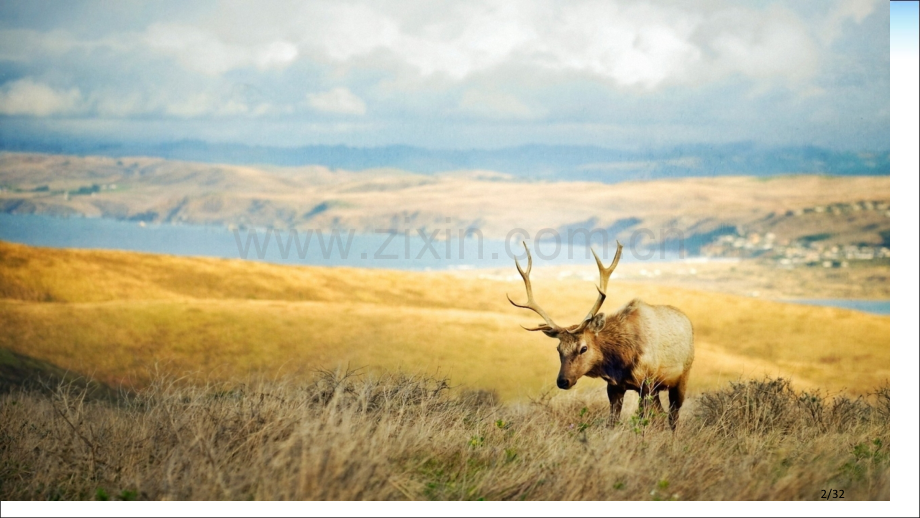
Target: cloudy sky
x: 449, y: 74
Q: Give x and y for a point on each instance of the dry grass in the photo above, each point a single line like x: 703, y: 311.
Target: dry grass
x: 112, y: 314
x: 750, y: 278
x: 398, y: 437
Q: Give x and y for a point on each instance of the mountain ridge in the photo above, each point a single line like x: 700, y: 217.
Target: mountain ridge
x: 532, y: 161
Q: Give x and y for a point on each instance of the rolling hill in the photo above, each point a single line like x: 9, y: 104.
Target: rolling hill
x: 835, y: 210
x: 120, y: 316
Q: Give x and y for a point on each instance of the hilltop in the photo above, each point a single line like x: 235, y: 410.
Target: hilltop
x: 535, y: 161
x: 120, y: 315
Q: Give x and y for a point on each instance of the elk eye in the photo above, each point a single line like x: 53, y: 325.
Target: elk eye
x: 584, y: 349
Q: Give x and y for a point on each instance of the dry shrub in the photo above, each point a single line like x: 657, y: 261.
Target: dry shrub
x: 480, y: 398
x: 374, y: 394
x: 883, y: 401
x: 772, y: 405
x: 347, y: 436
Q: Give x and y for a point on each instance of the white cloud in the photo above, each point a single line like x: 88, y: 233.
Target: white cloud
x: 457, y: 44
x: 200, y: 50
x: 775, y: 46
x: 192, y: 106
x: 337, y: 100
x: 495, y: 105
x: 629, y: 45
x: 847, y: 10
x: 23, y: 45
x: 277, y: 54
x: 178, y: 104
x: 632, y: 46
x: 857, y: 10
x: 110, y: 104
x: 194, y: 49
x: 600, y: 71
x: 206, y: 104
x: 343, y: 31
x: 27, y: 97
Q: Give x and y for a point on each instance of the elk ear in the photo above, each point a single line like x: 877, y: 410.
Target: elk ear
x: 552, y: 333
x: 596, y: 325
x: 547, y: 329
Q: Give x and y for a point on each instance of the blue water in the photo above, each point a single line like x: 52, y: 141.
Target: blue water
x: 878, y: 307
x: 321, y: 247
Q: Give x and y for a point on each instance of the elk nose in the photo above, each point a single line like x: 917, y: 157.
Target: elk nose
x: 562, y: 383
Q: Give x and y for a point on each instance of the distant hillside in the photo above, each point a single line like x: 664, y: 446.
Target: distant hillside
x: 700, y: 209
x: 544, y: 162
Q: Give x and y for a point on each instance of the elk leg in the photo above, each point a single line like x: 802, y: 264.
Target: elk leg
x: 648, y: 394
x: 615, y: 394
x: 676, y: 397
x: 656, y: 402
x: 645, y: 394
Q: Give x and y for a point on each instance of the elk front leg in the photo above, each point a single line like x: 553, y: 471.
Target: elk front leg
x: 615, y: 393
x: 648, y: 395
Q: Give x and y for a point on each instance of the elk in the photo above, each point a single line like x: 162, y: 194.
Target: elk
x: 641, y: 347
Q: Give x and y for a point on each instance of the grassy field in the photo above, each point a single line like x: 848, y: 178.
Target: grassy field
x: 122, y: 317
x: 396, y: 437
x: 749, y: 277
x: 225, y: 379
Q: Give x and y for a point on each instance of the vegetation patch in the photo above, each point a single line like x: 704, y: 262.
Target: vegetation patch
x: 348, y: 436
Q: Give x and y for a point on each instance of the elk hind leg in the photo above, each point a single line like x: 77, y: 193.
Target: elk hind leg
x: 656, y: 402
x: 676, y: 400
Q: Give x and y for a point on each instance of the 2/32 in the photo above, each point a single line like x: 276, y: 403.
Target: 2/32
x: 831, y: 494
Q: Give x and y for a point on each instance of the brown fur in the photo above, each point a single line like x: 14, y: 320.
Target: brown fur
x: 621, y: 341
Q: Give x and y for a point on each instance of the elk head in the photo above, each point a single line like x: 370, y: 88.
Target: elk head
x: 579, y: 351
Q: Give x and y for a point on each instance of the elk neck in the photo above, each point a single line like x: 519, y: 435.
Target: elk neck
x: 621, y: 344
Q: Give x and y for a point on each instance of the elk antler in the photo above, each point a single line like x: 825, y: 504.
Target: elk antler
x: 602, y: 289
x: 532, y: 305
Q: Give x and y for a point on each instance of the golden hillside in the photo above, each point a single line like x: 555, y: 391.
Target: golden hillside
x: 117, y: 315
